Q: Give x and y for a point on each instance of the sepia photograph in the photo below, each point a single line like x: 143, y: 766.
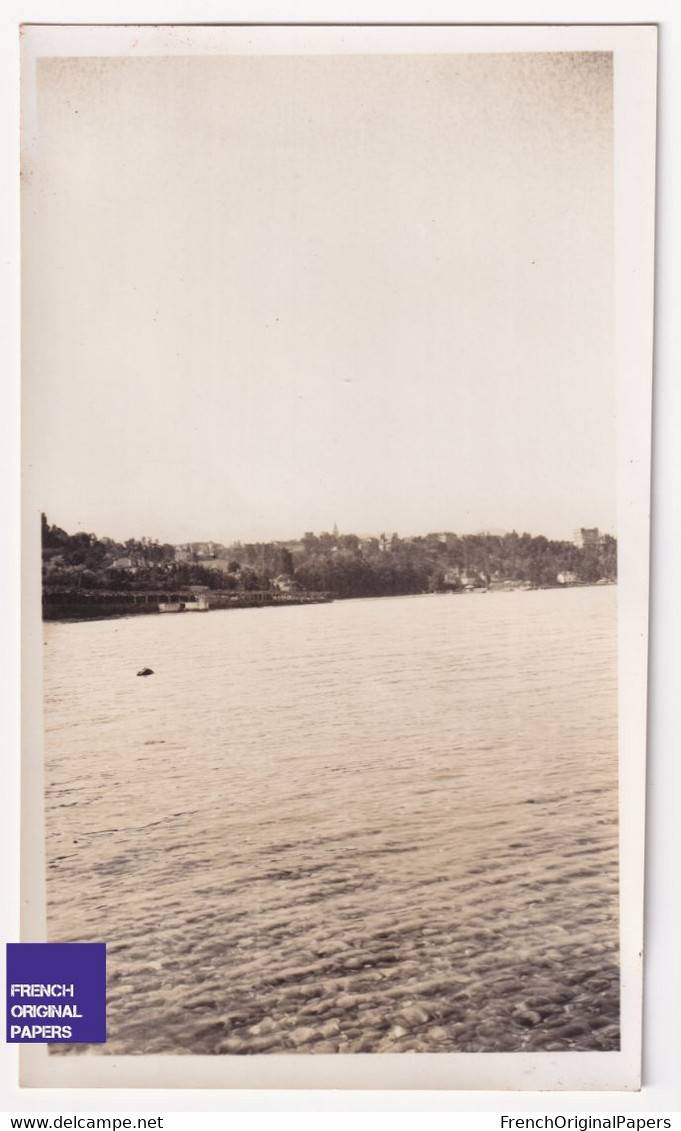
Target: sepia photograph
x: 322, y: 339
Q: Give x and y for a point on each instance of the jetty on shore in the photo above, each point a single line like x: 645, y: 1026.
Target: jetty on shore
x: 100, y: 605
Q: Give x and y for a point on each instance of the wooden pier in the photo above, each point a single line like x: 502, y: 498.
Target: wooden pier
x: 99, y: 604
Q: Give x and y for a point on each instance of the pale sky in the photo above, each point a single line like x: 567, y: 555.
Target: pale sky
x: 264, y: 295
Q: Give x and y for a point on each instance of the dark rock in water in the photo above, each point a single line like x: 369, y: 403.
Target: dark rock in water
x: 527, y: 1017
x: 146, y: 671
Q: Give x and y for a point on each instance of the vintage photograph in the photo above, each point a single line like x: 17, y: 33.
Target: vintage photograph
x: 320, y: 342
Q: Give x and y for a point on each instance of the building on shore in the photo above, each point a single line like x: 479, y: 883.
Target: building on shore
x: 286, y: 584
x: 588, y: 537
x: 452, y: 578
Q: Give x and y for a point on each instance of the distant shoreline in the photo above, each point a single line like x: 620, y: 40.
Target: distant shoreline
x: 94, y: 607
x: 87, y: 576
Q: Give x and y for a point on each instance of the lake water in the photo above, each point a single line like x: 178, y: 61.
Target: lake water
x: 368, y: 826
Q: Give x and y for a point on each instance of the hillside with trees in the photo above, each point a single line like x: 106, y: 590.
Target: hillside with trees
x: 342, y: 565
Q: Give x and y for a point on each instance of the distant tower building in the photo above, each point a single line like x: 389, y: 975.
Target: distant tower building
x: 588, y: 537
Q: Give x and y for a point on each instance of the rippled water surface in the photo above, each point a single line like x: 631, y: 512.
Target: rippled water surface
x: 368, y: 826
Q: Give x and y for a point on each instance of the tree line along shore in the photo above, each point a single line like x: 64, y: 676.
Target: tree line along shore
x: 87, y: 576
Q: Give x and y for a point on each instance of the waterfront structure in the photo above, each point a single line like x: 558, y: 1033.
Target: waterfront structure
x: 198, y: 604
x: 285, y: 584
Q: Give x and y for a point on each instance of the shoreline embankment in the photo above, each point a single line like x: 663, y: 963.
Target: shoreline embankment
x: 105, y: 606
x: 89, y: 606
